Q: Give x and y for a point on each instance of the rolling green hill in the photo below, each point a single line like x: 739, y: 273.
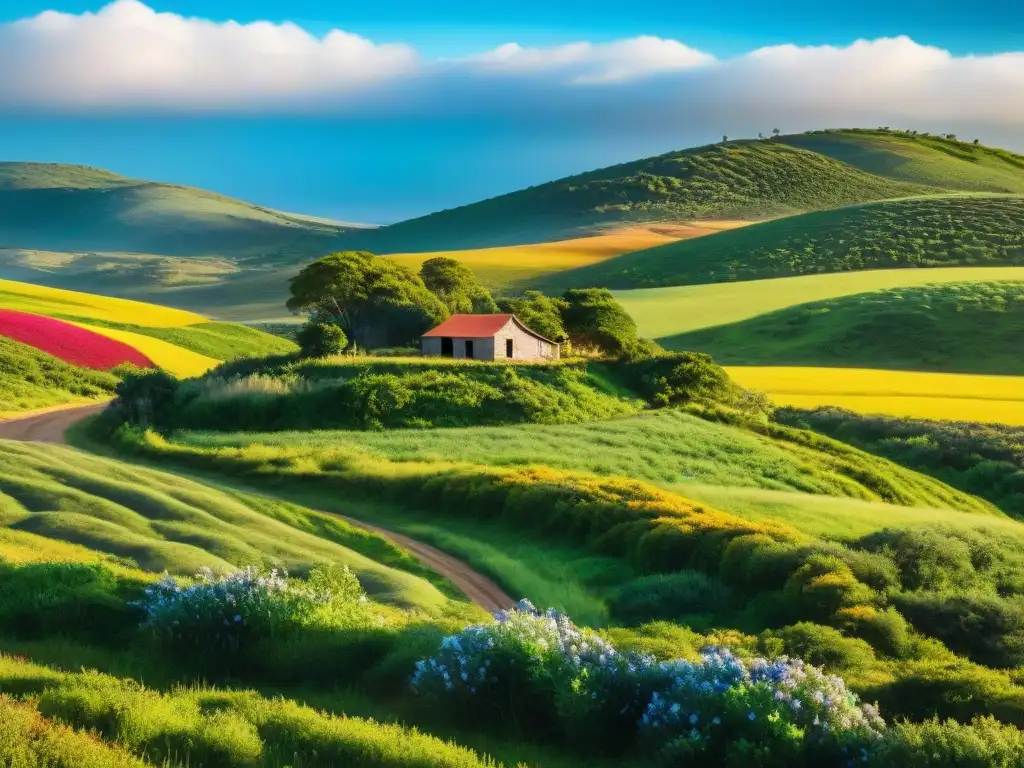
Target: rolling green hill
x: 32, y: 379
x: 917, y: 159
x: 75, y: 227
x: 49, y: 207
x: 955, y: 328
x: 936, y: 231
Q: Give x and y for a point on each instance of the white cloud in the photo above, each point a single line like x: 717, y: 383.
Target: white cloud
x: 127, y: 54
x: 594, y: 63
x: 128, y: 57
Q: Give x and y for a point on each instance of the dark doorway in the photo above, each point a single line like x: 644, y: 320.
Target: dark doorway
x: 469, y: 348
x: 509, y: 347
x: 447, y: 348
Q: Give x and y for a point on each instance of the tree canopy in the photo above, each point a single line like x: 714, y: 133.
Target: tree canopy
x: 593, y: 319
x: 538, y: 312
x: 375, y: 301
x: 456, y: 286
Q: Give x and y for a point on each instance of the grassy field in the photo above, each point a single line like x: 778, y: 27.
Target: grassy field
x: 955, y: 328
x: 945, y: 396
x: 935, y: 231
x: 669, y: 448
x: 30, y: 379
x: 664, y: 313
x: 983, y: 459
x: 155, y: 522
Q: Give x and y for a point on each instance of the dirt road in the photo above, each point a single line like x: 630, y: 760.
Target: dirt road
x: 51, y: 426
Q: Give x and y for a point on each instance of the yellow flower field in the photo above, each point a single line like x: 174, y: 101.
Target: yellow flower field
x: 39, y: 300
x: 178, y: 360
x: 948, y: 396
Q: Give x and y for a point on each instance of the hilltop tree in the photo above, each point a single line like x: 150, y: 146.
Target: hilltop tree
x: 456, y: 286
x: 541, y: 313
x: 776, y: 132
x: 375, y: 301
x: 725, y: 139
x: 594, y: 320
x: 760, y: 135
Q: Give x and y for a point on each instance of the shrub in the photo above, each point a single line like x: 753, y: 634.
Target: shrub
x: 825, y: 646
x: 669, y: 596
x: 319, y: 339
x: 220, y: 616
x: 926, y: 559
x: 70, y: 599
x: 985, y: 743
x: 529, y: 665
x: 145, y: 396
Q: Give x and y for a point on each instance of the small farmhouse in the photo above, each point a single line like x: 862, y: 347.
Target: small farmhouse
x: 487, y: 337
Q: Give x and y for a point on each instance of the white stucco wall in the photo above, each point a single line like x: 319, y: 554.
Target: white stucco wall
x: 525, y: 346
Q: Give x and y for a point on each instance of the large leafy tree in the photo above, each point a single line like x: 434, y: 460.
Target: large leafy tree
x: 594, y: 320
x: 375, y: 301
x: 538, y: 312
x: 456, y: 286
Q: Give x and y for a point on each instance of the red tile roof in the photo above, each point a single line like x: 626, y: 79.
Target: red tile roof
x: 470, y: 326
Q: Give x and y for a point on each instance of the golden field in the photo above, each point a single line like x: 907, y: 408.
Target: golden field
x: 501, y: 267
x: 947, y: 396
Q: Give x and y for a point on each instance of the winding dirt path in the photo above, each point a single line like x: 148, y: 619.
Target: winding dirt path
x: 48, y: 426
x: 51, y: 427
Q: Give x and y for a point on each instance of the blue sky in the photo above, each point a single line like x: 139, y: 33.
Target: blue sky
x: 418, y: 106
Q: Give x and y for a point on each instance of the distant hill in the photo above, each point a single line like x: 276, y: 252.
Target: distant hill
x: 47, y: 207
x: 745, y: 179
x: 78, y: 227
x: 954, y: 230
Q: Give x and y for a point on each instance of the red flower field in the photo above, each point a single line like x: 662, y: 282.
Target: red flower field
x: 69, y: 342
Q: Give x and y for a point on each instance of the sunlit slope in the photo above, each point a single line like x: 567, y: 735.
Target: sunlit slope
x: 739, y: 180
x: 663, y: 313
x: 152, y: 521
x: 74, y: 304
x: 63, y: 208
x: 958, y: 328
x: 916, y: 159
x: 944, y: 396
x: 516, y: 266
x: 936, y: 231
x: 178, y: 360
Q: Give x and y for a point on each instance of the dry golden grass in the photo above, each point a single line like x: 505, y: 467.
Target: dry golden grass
x: 948, y: 396
x: 501, y: 267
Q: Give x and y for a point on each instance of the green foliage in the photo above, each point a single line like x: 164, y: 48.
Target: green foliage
x: 375, y: 301
x: 595, y: 321
x: 539, y: 313
x: 318, y: 339
x: 30, y: 378
x: 670, y: 596
x: 376, y: 394
x: 983, y: 459
x: 144, y: 395
x: 919, y: 232
x: 456, y: 286
x: 984, y: 743
x: 955, y: 327
x: 156, y: 522
x: 27, y: 740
